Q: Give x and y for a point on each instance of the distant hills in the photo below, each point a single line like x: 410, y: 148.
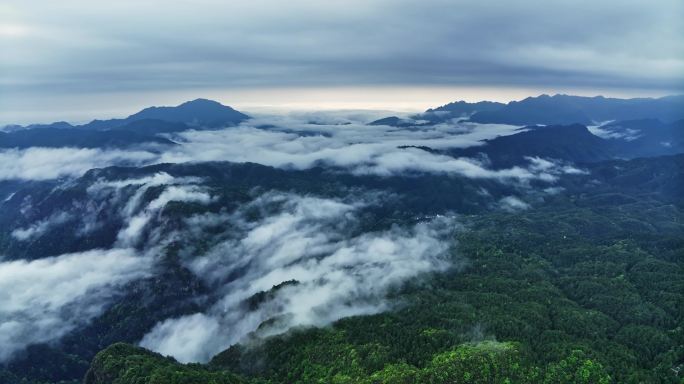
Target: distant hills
x: 555, y: 110
x: 564, y: 109
x: 195, y: 113
x: 576, y: 143
x: 556, y: 127
x: 571, y: 143
x: 56, y: 137
x: 566, y: 234
x: 138, y: 128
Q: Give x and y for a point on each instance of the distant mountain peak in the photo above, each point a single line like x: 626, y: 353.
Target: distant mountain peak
x: 198, y: 112
x: 202, y: 101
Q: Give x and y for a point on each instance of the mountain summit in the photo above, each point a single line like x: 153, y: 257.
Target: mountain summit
x: 191, y: 114
x: 199, y: 112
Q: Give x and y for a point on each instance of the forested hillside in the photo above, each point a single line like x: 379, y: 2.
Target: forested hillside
x: 586, y: 287
x: 284, y: 251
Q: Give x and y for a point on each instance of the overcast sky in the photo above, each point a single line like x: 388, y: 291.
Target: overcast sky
x: 79, y: 59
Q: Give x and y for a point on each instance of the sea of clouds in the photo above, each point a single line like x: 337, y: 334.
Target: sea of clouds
x: 310, y: 247
x: 288, y: 142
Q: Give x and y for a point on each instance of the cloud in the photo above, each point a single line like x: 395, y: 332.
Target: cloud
x: 42, y: 300
x: 93, y: 49
x: 51, y: 163
x: 360, y: 148
x: 294, y: 142
x: 318, y: 252
x: 290, y: 143
x: 41, y: 226
x: 512, y: 204
x: 614, y: 132
x: 130, y: 234
x: 311, y: 248
x: 127, y: 196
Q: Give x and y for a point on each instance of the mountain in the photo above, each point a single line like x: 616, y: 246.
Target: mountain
x: 644, y: 138
x: 572, y: 143
x: 16, y: 127
x: 565, y: 109
x: 199, y: 112
x: 395, y: 121
x: 603, y: 253
x: 459, y: 109
x: 58, y: 137
x: 152, y: 126
x: 578, y: 144
x: 549, y: 255
x: 551, y: 110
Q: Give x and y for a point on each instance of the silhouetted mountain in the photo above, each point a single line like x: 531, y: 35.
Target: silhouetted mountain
x: 191, y: 114
x: 394, y: 121
x: 644, y: 138
x: 571, y: 143
x: 196, y: 113
x: 199, y: 112
x: 55, y: 137
x: 58, y: 124
x: 550, y: 110
x: 151, y: 127
x: 459, y: 109
x: 565, y: 109
x: 16, y: 127
x: 575, y: 143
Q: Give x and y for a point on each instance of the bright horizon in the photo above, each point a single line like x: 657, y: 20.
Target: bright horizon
x: 400, y: 100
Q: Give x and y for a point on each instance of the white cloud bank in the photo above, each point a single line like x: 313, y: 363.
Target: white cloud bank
x: 292, y: 142
x: 39, y: 163
x: 311, y: 240
x: 288, y: 143
x: 317, y: 242
x: 44, y: 299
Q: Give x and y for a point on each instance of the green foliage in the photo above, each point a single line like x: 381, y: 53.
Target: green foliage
x: 126, y: 364
x: 576, y: 369
x: 587, y: 287
x: 575, y: 303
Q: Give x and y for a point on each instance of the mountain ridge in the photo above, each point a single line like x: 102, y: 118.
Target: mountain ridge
x: 559, y: 109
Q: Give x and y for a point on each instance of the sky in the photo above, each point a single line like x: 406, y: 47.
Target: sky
x: 77, y: 59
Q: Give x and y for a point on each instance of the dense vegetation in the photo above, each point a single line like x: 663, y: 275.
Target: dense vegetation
x: 586, y: 288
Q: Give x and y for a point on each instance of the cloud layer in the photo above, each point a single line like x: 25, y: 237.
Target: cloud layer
x: 51, y: 163
x: 42, y: 300
x: 279, y: 261
x: 309, y: 248
x: 291, y: 143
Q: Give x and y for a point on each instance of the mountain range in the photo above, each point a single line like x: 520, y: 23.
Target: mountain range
x: 138, y: 128
x: 537, y: 241
x: 557, y: 110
